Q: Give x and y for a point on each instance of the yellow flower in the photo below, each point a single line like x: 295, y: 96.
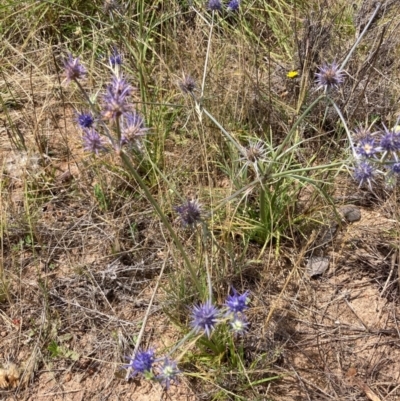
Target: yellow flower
x: 292, y: 74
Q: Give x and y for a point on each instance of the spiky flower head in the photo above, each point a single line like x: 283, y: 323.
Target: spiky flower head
x: 168, y: 374
x: 205, y: 317
x: 141, y: 363
x: 92, y: 141
x: 254, y: 153
x: 239, y: 324
x: 74, y: 70
x: 366, y: 147
x: 215, y: 5
x: 390, y: 141
x: 187, y: 84
x: 233, y: 5
x: 116, y: 98
x: 190, y: 213
x: 133, y: 126
x: 330, y: 76
x: 85, y: 120
x: 236, y: 302
x: 364, y: 173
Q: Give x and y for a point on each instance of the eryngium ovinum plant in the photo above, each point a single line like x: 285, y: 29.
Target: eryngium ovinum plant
x: 114, y: 125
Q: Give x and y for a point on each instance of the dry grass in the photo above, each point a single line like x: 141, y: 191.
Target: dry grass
x: 81, y: 247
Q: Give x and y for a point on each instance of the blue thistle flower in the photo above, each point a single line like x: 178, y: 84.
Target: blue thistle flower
x: 92, y: 141
x: 215, y: 5
x: 364, y: 172
x: 141, y: 363
x: 329, y: 76
x: 233, y: 5
x: 366, y: 147
x: 115, y: 98
x: 205, y: 317
x: 236, y: 302
x: 74, y: 70
x: 85, y: 120
x: 133, y: 126
x: 168, y: 374
x: 390, y: 141
x: 190, y: 213
x: 239, y: 324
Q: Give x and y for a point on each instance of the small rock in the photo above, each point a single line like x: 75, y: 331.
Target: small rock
x: 350, y: 213
x: 317, y: 265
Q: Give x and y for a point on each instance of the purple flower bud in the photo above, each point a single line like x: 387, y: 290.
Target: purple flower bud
x: 115, y: 58
x: 205, y: 317
x: 329, y: 76
x: 85, y: 120
x: 73, y: 68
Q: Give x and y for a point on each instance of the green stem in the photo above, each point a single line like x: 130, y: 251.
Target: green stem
x: 167, y: 224
x: 345, y: 126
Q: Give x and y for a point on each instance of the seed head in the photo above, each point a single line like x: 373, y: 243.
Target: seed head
x: 74, y: 70
x: 85, y: 120
x: 205, y: 317
x: 329, y: 76
x: 92, y: 141
x: 236, y: 302
x: 169, y: 372
x: 190, y: 213
x: 141, y: 363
